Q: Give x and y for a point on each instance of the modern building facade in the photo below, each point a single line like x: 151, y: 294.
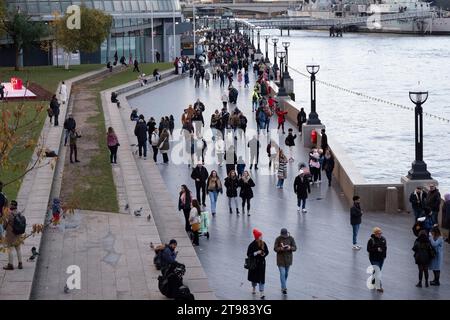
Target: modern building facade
x: 131, y: 33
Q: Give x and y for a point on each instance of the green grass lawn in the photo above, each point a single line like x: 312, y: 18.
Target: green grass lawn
x: 127, y: 75
x: 47, y: 77
x: 95, y: 190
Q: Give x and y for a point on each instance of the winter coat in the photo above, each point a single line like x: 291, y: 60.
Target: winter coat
x: 186, y: 205
x: 281, y: 116
x: 290, y: 140
x: 284, y: 256
x: 422, y: 251
x: 301, y: 117
x: 232, y: 186
x: 433, y: 200
x: 214, y: 187
x: 258, y: 274
x: 301, y: 187
x: 414, y: 200
x: 282, y: 168
x: 377, y: 248
x: 112, y: 140
x: 140, y: 131
x: 355, y: 214
x: 11, y: 238
x: 328, y: 164
x: 200, y: 173
x: 324, y: 142
x: 70, y: 124
x: 246, y: 188
x: 54, y: 105
x: 438, y: 246
x: 164, y: 142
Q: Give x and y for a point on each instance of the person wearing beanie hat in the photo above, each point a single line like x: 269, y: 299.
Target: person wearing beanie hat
x: 377, y: 248
x: 284, y: 246
x: 257, y: 252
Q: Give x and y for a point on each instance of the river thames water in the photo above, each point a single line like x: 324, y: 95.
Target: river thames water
x: 378, y: 137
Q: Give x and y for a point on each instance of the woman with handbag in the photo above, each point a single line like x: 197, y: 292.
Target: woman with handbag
x: 256, y: 254
x: 185, y: 204
x: 214, y: 187
x: 113, y: 144
x: 164, y: 145
x: 195, y: 221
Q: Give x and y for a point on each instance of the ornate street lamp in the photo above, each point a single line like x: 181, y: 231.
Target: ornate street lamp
x: 281, y: 89
x: 275, y: 66
x: 267, y: 37
x: 286, y: 71
x: 419, y: 167
x: 253, y: 37
x: 313, y: 117
x: 258, y: 32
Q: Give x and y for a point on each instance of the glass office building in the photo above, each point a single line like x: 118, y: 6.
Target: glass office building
x: 131, y: 32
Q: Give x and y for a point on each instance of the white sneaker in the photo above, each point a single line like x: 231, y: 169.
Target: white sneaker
x: 354, y: 247
x: 304, y: 211
x: 358, y: 247
x: 298, y: 209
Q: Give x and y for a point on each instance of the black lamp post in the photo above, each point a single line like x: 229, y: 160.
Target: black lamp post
x: 281, y: 89
x: 258, y: 32
x: 419, y: 167
x: 253, y: 37
x: 286, y: 71
x: 313, y: 117
x: 267, y: 37
x: 275, y: 66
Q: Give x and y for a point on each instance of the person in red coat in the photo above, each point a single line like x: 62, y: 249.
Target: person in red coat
x: 281, y: 118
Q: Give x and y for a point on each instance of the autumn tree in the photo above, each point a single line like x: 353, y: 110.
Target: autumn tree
x: 23, y: 32
x: 95, y: 27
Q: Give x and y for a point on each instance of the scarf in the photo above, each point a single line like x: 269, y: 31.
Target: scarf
x: 214, y: 183
x: 246, y: 179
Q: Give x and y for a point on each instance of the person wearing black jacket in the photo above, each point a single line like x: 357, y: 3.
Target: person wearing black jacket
x: 433, y: 201
x: 54, y: 105
x: 200, y: 175
x: 246, y: 184
x: 69, y: 124
x: 355, y: 220
x: 140, y: 131
x: 199, y: 122
x: 185, y: 204
x: 377, y: 248
x: 324, y: 141
x: 151, y: 126
x: 301, y: 119
x: 418, y: 202
x: 232, y: 185
x: 423, y: 254
x: 301, y: 189
x: 328, y: 165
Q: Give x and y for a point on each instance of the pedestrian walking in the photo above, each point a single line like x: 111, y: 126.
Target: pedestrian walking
x: 423, y: 254
x: 272, y: 154
x: 284, y: 247
x: 198, y: 122
x: 197, y: 77
x: 240, y: 166
x: 185, y: 204
x: 239, y: 77
x: 171, y: 125
x: 314, y: 164
x: 63, y: 92
x: 324, y: 140
x: 281, y: 115
x: 377, y: 248
x: 232, y: 184
x: 12, y: 241
x: 220, y: 149
x: 254, y: 147
x: 282, y: 169
x: 164, y: 145
x: 154, y: 141
x: 195, y: 221
x: 140, y: 131
x: 207, y: 78
x: 355, y: 220
x: 433, y: 201
x: 418, y: 202
x: 257, y: 252
x: 301, y: 189
x: 437, y: 242
x: 214, y: 187
x: 246, y: 184
x: 54, y: 105
x: 328, y: 165
x: 301, y: 119
x: 113, y: 144
x: 200, y: 176
x: 290, y: 143
x: 225, y: 99
x: 246, y: 79
x: 69, y: 124
x: 73, y: 137
x: 230, y: 159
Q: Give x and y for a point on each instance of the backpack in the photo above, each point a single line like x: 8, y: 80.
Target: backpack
x: 184, y: 294
x: 19, y: 224
x: 157, y: 259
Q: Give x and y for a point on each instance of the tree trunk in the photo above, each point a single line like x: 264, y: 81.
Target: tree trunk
x: 16, y: 67
x: 66, y: 60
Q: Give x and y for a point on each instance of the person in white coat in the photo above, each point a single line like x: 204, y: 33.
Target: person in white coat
x: 220, y: 149
x: 63, y: 93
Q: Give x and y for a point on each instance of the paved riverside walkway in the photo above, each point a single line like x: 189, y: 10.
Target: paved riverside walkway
x: 325, y: 266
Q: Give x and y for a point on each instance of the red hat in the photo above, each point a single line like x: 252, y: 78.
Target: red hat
x: 257, y: 234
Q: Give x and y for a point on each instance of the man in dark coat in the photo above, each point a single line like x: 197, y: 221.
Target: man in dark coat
x: 433, y: 201
x: 418, y: 202
x: 355, y: 220
x: 301, y: 119
x: 69, y: 124
x: 151, y: 126
x: 200, y: 175
x: 140, y: 131
x: 301, y: 189
x: 254, y: 146
x: 54, y: 105
x: 257, y: 252
x: 324, y: 141
x: 377, y: 248
x: 284, y: 247
x: 233, y: 95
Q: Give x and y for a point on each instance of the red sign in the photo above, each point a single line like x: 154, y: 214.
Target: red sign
x: 16, y: 83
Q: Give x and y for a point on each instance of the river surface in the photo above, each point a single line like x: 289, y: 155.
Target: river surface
x: 378, y: 137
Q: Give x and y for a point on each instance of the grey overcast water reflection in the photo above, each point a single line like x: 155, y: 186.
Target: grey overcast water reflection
x: 378, y: 137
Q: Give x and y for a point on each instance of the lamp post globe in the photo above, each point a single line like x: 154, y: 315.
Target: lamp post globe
x: 313, y: 117
x: 419, y: 167
x: 281, y: 89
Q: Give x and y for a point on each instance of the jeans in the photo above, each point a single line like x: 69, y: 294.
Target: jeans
x: 113, y: 153
x: 230, y: 202
x: 283, y: 276
x: 280, y: 183
x: 66, y: 135
x: 254, y: 105
x: 142, y: 145
x: 417, y: 213
x: 301, y: 203
x: 380, y: 265
x: 260, y: 285
x: 213, y: 197
x: 355, y: 233
x: 329, y: 176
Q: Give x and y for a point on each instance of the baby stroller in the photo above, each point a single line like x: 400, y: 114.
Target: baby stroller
x: 203, y: 232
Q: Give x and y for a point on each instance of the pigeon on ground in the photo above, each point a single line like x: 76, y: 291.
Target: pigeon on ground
x: 137, y: 213
x: 34, y: 254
